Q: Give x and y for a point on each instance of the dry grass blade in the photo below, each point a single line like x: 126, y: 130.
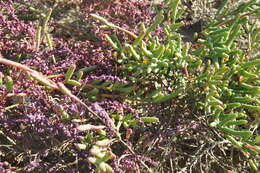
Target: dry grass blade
x: 39, y: 77
x: 42, y: 79
x: 14, y: 64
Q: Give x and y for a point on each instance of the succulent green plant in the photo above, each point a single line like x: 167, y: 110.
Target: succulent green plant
x: 219, y: 69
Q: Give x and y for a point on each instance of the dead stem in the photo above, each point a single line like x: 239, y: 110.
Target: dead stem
x: 103, y: 20
x: 14, y: 64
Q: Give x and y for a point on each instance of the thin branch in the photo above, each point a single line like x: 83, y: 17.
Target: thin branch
x: 103, y: 20
x: 14, y: 64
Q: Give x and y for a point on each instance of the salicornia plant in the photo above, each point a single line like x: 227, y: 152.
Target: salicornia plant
x: 219, y: 67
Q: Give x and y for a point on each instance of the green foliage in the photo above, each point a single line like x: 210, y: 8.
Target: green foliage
x: 9, y: 83
x: 218, y: 69
x: 1, y: 78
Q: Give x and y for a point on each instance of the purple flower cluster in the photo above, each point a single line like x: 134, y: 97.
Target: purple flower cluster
x: 39, y: 122
x: 105, y: 78
x: 118, y: 107
x: 128, y: 14
x: 104, y: 116
x: 15, y: 35
x: 130, y: 162
x: 37, y: 166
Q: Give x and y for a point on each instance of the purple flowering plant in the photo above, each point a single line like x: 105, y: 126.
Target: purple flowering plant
x: 113, y: 86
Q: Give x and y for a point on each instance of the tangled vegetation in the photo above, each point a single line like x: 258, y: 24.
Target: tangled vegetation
x: 129, y: 86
